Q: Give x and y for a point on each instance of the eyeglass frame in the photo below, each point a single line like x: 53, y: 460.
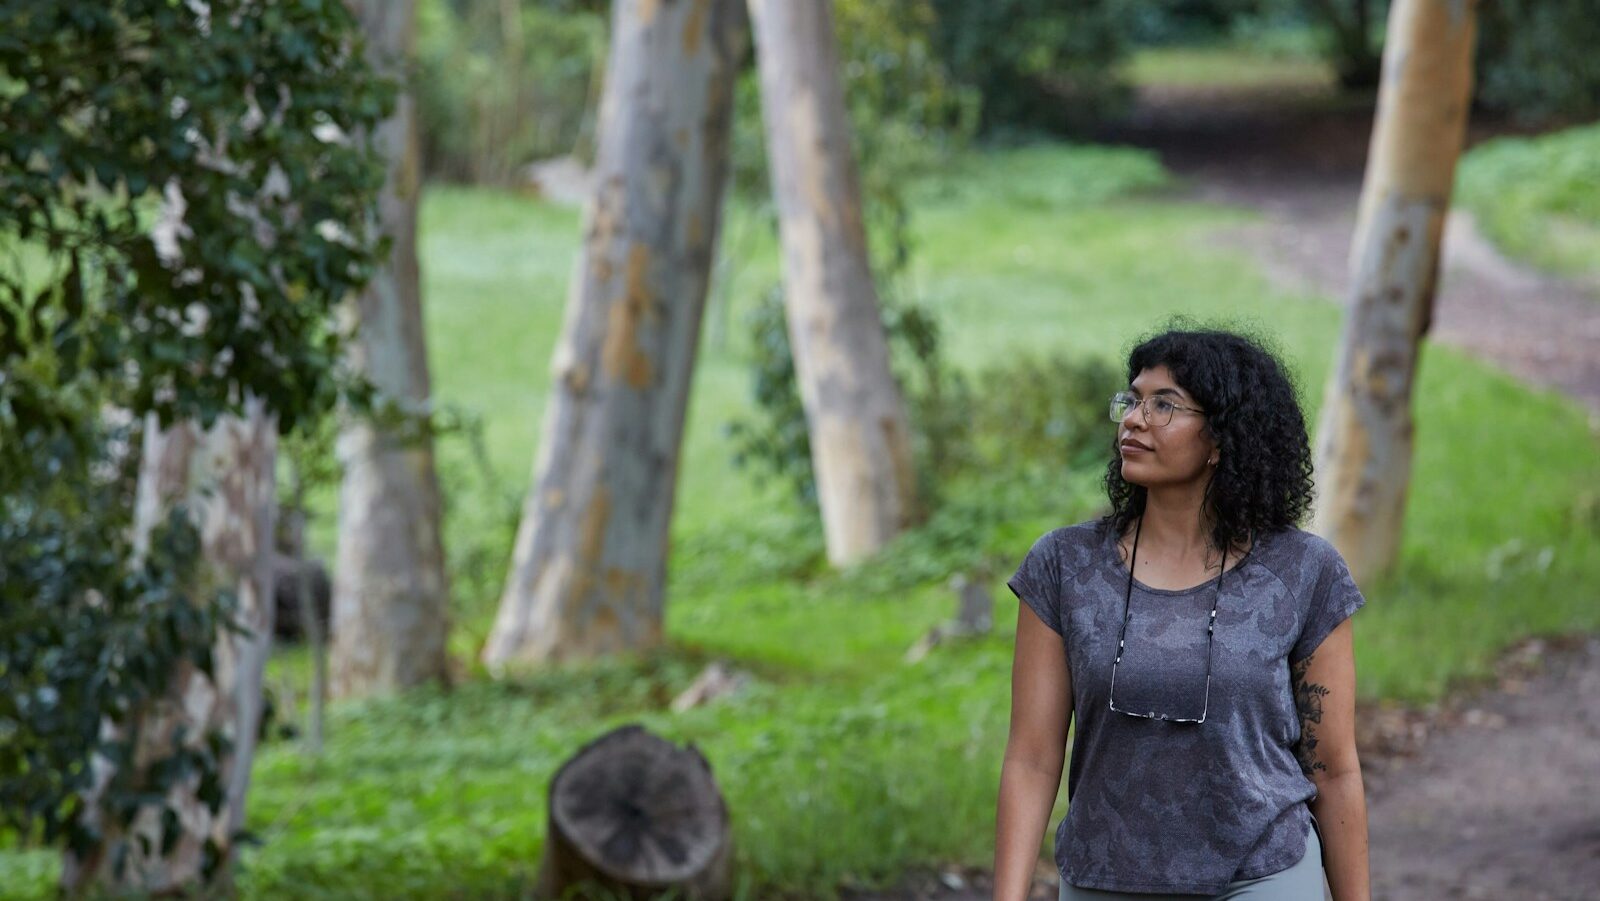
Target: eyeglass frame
x: 1211, y: 628
x: 1141, y: 402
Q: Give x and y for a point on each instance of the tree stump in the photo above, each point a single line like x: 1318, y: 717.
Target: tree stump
x: 288, y: 621
x: 634, y: 816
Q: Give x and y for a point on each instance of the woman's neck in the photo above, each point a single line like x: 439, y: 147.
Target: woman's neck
x: 1176, y: 532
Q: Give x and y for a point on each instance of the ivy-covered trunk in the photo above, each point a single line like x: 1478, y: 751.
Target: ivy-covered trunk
x: 590, y: 558
x: 223, y: 478
x: 860, y: 435
x: 390, y: 593
x: 1364, y: 439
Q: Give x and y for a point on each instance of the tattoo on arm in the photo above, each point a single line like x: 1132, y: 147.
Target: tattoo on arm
x: 1308, y: 699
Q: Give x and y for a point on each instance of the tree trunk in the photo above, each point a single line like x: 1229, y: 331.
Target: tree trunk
x: 224, y: 477
x: 1364, y: 439
x: 590, y: 558
x: 860, y: 438
x: 390, y: 590
x: 310, y: 618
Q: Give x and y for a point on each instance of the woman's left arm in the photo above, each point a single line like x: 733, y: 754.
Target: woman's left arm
x: 1325, y: 693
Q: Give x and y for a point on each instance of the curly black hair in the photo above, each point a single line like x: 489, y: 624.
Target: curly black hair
x: 1263, y: 478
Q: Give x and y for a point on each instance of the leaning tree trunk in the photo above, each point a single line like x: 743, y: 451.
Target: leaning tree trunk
x: 860, y: 440
x: 590, y: 557
x: 224, y: 478
x: 1365, y: 435
x: 390, y: 591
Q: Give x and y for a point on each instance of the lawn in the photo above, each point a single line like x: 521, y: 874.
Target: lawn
x: 842, y: 764
x: 1539, y: 197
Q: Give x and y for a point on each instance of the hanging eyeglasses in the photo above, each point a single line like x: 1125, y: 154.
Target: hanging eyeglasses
x: 1169, y: 715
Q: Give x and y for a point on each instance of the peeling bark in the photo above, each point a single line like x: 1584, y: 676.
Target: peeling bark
x: 1364, y: 438
x: 224, y: 477
x: 860, y: 437
x: 390, y: 590
x: 589, y: 565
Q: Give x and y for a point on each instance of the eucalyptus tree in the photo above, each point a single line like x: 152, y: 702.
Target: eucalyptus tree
x: 1364, y: 439
x: 860, y: 434
x: 589, y: 564
x: 390, y: 591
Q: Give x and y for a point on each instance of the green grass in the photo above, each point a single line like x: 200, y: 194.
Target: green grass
x: 1277, y: 60
x: 1539, y: 198
x: 843, y: 764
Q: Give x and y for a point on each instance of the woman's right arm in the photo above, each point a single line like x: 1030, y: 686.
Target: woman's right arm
x: 1030, y: 776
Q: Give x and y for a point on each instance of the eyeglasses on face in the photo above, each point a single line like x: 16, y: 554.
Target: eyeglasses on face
x: 1158, y: 409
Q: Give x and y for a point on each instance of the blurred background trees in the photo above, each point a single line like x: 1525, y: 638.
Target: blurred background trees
x: 390, y: 591
x: 503, y: 83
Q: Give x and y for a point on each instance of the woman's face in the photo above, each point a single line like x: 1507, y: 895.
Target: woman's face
x: 1173, y: 454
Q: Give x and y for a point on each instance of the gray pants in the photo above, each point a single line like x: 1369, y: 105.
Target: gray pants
x: 1305, y: 881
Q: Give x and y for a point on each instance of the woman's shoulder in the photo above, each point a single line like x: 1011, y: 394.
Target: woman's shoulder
x: 1076, y: 545
x: 1293, y: 553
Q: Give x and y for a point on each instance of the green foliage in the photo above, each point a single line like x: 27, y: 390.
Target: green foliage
x: 775, y: 442
x: 1043, y: 412
x: 1352, y: 38
x: 907, y: 114
x: 1539, y: 198
x: 180, y: 210
x: 500, y: 85
x: 1537, y: 59
x: 1168, y: 22
x: 234, y: 117
x: 1032, y: 409
x: 1038, y: 64
x: 89, y: 635
x: 476, y: 557
x: 495, y: 94
x: 907, y: 110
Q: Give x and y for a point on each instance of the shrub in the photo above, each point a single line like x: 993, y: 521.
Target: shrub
x: 1038, y: 64
x: 497, y: 91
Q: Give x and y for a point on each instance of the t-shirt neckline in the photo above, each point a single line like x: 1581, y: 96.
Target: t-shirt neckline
x: 1109, y: 544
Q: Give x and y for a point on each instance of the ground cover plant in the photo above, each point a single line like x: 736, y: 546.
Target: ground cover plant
x: 841, y: 763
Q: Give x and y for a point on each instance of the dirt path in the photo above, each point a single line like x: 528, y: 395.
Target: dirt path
x: 1297, y: 158
x: 1502, y: 800
x: 1493, y: 794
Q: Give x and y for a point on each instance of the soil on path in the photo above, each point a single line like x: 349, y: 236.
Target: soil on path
x: 1494, y: 794
x: 1296, y: 156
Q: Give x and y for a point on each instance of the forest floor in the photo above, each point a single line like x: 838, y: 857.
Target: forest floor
x: 1495, y: 791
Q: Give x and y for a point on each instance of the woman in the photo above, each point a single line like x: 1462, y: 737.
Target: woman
x: 1203, y: 641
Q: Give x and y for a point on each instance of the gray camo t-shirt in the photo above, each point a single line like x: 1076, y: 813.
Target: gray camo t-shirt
x: 1184, y: 808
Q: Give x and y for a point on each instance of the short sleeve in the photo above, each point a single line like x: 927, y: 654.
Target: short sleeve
x: 1334, y: 597
x: 1037, y: 581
